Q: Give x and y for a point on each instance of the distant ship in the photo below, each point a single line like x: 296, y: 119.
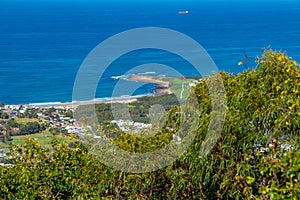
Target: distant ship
x: 183, y: 12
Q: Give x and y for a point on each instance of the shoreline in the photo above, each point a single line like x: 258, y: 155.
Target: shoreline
x: 162, y: 87
x: 75, y: 104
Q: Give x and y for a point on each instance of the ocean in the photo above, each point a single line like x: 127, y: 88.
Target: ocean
x: 44, y: 43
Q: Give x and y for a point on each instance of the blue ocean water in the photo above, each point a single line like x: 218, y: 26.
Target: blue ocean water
x: 43, y: 43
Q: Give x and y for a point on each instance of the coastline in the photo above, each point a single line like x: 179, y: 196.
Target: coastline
x: 162, y: 87
x: 75, y: 104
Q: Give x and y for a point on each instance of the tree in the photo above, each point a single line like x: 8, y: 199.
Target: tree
x: 257, y: 155
x: 3, y: 115
x: 12, y: 123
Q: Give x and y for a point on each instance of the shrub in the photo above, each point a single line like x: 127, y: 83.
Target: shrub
x: 256, y: 157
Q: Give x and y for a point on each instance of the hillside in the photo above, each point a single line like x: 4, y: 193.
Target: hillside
x: 256, y: 157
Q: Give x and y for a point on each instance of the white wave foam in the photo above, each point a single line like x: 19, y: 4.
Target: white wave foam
x: 119, y: 77
x: 111, y: 99
x: 125, y: 76
x: 46, y: 103
x: 145, y: 73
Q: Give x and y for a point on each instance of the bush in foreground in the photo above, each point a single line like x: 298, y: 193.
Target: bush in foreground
x: 257, y: 156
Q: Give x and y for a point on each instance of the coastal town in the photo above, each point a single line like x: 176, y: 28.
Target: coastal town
x: 19, y: 120
x: 57, y: 118
x: 45, y: 120
x: 30, y: 120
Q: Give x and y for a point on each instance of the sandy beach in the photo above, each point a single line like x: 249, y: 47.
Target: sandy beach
x: 75, y: 104
x: 162, y: 87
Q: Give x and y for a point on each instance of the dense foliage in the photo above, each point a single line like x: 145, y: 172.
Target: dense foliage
x: 257, y: 156
x: 3, y: 115
x: 25, y: 128
x: 139, y: 110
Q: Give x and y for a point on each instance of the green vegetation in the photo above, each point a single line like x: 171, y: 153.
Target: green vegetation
x: 262, y: 119
x: 139, y: 110
x: 256, y: 157
x: 29, y: 113
x: 2, y: 144
x: 44, y: 138
x: 25, y: 120
x: 25, y: 128
x: 179, y: 86
x: 3, y: 115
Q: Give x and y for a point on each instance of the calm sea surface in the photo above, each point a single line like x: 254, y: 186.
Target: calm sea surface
x: 42, y: 45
